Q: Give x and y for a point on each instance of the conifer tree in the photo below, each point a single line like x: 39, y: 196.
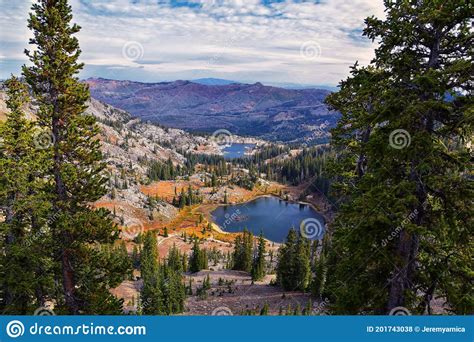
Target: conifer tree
x: 293, y: 268
x: 198, y: 259
x: 163, y: 291
x: 320, y: 274
x: 150, y: 273
x: 402, y: 233
x: 135, y: 257
x: 25, y: 269
x: 174, y: 259
x: 242, y: 255
x: 172, y: 289
x: 204, y: 260
x: 258, y: 266
x: 264, y: 311
x: 76, y: 169
x: 184, y: 262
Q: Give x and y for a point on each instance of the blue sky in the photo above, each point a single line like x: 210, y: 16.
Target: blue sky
x: 271, y: 41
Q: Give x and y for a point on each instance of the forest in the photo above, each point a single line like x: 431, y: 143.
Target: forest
x: 397, y: 172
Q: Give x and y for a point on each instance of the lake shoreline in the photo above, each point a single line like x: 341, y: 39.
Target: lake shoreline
x: 310, y: 204
x: 208, y: 209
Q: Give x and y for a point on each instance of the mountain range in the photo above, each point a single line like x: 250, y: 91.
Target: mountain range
x: 271, y: 113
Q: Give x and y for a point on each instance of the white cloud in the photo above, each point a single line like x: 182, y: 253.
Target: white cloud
x: 239, y: 40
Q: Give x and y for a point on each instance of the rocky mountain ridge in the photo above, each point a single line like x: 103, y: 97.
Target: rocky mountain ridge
x: 270, y: 113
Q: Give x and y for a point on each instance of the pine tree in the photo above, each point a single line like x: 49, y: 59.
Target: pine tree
x: 174, y: 259
x: 25, y: 270
x: 320, y: 274
x: 198, y: 259
x: 163, y: 291
x: 152, y: 297
x: 206, y: 285
x: 242, y: 256
x: 172, y: 289
x: 258, y: 266
x: 135, y: 257
x: 293, y: 268
x: 182, y: 199
x: 184, y: 262
x: 203, y: 260
x: 302, y: 263
x: 264, y: 311
x: 401, y: 235
x: 76, y: 169
x: 308, y: 310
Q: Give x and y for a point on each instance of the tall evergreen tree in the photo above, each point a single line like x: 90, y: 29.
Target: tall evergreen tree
x: 293, y: 268
x: 76, y: 168
x: 163, y: 291
x: 151, y: 294
x: 320, y: 274
x: 403, y: 165
x: 198, y: 259
x: 175, y: 261
x: 258, y: 266
x: 242, y: 255
x: 25, y: 269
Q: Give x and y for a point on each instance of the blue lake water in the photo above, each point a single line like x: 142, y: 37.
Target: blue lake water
x: 236, y: 150
x: 271, y: 215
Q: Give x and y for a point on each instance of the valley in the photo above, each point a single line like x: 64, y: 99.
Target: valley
x: 217, y: 174
x: 270, y: 113
x: 227, y: 184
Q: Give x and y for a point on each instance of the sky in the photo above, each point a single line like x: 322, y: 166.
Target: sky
x: 276, y: 42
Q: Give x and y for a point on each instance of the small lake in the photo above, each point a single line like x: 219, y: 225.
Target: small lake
x: 236, y: 150
x: 273, y: 216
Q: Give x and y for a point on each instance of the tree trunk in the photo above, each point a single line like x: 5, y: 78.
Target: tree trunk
x: 60, y: 206
x: 69, y: 283
x: 408, y: 244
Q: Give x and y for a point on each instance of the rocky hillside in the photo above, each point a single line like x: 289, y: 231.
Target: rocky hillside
x: 267, y: 112
x: 128, y: 146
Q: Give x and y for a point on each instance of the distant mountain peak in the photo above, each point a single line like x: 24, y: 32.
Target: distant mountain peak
x: 268, y: 112
x: 214, y: 81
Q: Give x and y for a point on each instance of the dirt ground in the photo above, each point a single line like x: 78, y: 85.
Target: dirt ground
x: 232, y: 292
x: 235, y: 295
x: 241, y: 295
